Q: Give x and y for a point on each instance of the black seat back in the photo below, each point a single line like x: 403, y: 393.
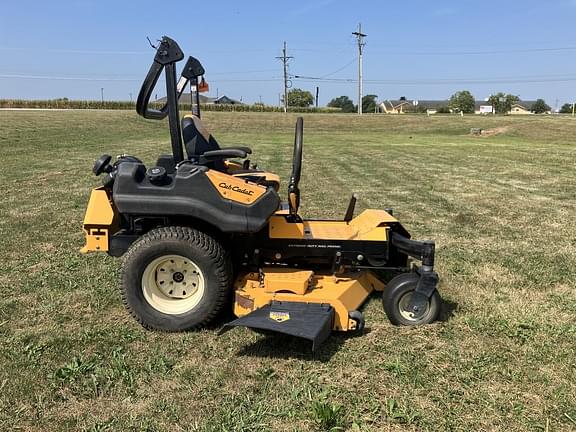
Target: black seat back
x: 198, y: 140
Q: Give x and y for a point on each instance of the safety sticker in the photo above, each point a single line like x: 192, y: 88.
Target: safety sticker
x: 279, y: 316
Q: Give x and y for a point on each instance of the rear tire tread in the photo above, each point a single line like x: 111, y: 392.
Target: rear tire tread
x: 203, y: 241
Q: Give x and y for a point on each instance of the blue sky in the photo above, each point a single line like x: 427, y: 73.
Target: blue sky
x: 418, y: 49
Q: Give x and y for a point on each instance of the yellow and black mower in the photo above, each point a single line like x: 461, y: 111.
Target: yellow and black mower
x: 206, y: 227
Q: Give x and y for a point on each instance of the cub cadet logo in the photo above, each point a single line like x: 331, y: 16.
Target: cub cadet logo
x: 279, y: 316
x: 235, y: 188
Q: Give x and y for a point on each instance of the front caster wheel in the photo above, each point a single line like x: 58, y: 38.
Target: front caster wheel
x: 175, y: 279
x: 396, y: 298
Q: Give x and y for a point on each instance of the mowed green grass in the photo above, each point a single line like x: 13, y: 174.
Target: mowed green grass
x: 501, y: 208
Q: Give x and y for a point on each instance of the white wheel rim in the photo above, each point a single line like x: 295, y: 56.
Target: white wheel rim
x: 408, y: 314
x: 173, y: 284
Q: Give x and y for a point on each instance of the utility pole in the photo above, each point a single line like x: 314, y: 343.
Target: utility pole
x: 285, y: 60
x: 360, y: 40
x: 130, y: 97
x: 102, y: 94
x: 317, y: 91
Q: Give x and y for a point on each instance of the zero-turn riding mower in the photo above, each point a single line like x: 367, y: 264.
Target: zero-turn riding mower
x: 203, y: 228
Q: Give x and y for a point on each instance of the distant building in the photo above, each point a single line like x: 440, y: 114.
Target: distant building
x: 522, y: 107
x: 483, y: 108
x: 225, y: 100
x: 206, y: 100
x: 403, y: 106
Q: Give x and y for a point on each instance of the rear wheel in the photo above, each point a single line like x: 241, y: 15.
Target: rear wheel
x: 396, y: 298
x: 175, y: 279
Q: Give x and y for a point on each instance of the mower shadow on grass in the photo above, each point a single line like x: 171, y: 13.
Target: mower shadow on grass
x: 285, y: 347
x: 280, y: 346
x: 448, y: 309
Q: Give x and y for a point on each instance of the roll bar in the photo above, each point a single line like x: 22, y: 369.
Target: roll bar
x: 168, y: 53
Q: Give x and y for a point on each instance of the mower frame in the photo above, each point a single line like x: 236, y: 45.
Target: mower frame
x: 277, y: 262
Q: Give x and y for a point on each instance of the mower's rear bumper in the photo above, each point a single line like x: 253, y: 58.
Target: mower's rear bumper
x: 99, y: 222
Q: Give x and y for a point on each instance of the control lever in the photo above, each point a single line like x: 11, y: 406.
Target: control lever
x: 350, y: 210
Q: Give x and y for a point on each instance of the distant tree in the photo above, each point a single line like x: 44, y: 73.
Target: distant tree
x: 420, y: 109
x: 502, y: 103
x: 414, y: 107
x: 300, y: 98
x: 462, y: 101
x: 443, y: 110
x: 540, y: 107
x: 344, y: 103
x: 566, y: 108
x: 369, y: 103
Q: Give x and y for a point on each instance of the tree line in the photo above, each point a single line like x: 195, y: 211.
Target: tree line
x: 461, y: 101
x: 303, y: 98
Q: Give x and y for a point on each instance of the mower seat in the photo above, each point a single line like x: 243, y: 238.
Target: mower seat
x: 198, y: 140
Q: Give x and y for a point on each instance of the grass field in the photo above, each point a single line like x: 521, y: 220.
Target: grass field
x: 501, y: 208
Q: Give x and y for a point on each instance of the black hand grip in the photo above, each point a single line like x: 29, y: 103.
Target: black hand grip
x: 213, y: 155
x: 243, y: 148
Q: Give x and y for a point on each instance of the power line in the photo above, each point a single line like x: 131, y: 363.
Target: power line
x: 309, y: 78
x: 443, y: 81
x: 439, y: 81
x: 242, y: 72
x: 75, y: 51
x: 304, y: 78
x: 360, y: 40
x: 106, y: 52
x: 325, y: 76
x: 66, y: 78
x: 340, y: 69
x: 112, y: 79
x: 434, y: 51
x: 249, y: 80
x: 322, y: 48
x: 480, y: 52
x: 285, y: 59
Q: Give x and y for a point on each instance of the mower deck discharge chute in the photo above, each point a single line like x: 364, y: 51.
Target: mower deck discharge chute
x: 205, y: 225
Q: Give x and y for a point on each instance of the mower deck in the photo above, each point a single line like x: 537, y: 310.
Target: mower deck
x: 344, y: 293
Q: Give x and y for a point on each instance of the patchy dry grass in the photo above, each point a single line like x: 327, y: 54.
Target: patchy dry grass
x: 502, y: 209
